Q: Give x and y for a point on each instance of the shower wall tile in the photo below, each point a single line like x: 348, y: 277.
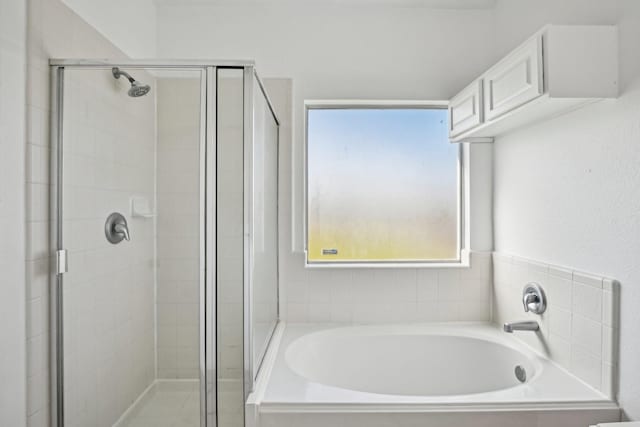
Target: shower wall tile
x: 178, y: 244
x: 579, y: 330
x: 14, y: 305
x: 386, y: 295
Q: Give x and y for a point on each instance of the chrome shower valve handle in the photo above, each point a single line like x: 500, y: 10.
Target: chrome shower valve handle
x: 534, y: 298
x: 116, y: 228
x: 529, y: 298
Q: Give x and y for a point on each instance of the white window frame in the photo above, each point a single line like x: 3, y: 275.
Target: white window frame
x: 463, y: 189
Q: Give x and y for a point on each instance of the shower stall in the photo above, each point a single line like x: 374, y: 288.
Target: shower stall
x: 165, y: 235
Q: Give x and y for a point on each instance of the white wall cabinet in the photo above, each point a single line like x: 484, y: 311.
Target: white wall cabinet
x: 465, y: 109
x: 557, y: 69
x: 515, y: 80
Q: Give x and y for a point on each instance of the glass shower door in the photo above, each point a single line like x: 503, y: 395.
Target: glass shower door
x: 131, y: 214
x: 264, y: 226
x: 247, y: 246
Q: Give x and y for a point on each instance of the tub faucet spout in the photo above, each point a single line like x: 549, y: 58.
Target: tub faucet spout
x: 521, y: 326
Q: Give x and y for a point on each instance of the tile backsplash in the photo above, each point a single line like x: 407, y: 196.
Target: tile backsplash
x: 375, y: 295
x: 578, y: 330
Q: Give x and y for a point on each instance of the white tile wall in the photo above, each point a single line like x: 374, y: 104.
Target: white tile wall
x: 109, y: 289
x: 13, y: 363
x: 53, y: 31
x: 178, y: 106
x: 579, y: 330
x: 350, y: 295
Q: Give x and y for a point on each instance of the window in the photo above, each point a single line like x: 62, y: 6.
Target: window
x: 383, y: 185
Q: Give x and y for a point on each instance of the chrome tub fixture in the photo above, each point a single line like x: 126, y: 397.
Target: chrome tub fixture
x: 534, y: 298
x: 530, y: 325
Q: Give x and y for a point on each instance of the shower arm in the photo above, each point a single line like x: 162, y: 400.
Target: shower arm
x: 117, y: 72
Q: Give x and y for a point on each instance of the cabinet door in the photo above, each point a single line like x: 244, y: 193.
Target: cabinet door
x: 515, y: 80
x: 465, y: 109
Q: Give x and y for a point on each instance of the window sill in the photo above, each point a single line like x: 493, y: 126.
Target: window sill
x: 465, y: 262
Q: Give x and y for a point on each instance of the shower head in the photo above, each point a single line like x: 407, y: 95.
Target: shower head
x: 137, y: 89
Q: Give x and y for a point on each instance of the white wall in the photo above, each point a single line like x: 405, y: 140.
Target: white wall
x: 566, y: 191
x: 13, y: 40
x: 337, y: 51
x: 129, y: 25
x: 350, y: 51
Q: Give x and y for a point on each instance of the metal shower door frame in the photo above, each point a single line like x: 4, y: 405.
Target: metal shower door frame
x: 208, y: 203
x: 207, y: 270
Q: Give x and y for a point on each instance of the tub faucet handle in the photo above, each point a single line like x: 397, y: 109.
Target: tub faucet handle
x: 529, y: 298
x: 533, y: 298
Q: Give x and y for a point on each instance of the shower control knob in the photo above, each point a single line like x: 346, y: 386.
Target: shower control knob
x: 116, y: 229
x: 533, y: 298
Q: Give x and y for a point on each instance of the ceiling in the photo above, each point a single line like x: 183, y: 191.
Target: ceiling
x: 137, y: 37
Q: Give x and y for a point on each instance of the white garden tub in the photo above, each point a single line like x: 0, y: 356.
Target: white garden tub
x: 430, y: 374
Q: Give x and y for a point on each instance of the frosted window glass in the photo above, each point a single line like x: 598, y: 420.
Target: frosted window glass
x: 383, y: 185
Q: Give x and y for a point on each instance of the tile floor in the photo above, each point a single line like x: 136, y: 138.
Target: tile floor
x: 166, y: 404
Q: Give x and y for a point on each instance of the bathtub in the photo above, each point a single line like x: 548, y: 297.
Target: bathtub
x: 454, y: 374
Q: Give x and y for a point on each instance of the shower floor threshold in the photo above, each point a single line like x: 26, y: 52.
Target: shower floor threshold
x: 165, y: 403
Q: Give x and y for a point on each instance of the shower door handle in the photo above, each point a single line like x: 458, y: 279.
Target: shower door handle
x: 61, y: 261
